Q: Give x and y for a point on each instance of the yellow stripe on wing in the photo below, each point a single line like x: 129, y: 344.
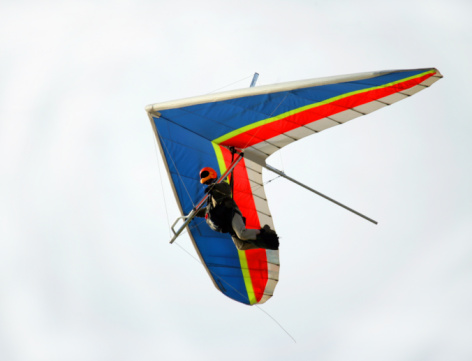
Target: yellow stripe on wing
x: 247, y: 277
x: 260, y: 123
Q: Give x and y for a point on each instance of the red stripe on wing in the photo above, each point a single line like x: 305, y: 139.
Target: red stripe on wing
x: 273, y: 129
x: 242, y: 195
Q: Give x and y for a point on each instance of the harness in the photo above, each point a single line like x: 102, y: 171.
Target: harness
x: 219, y: 218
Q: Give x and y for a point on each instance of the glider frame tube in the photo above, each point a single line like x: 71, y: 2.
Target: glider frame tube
x: 282, y: 174
x: 254, y: 80
x: 188, y: 218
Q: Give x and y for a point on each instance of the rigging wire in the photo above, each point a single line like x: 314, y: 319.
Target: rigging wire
x: 277, y: 322
x: 238, y: 81
x: 177, y: 170
x: 234, y: 289
x: 162, y: 188
x: 259, y: 186
x: 163, y: 193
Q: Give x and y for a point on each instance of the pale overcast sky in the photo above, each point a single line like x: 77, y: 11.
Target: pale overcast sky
x: 86, y: 270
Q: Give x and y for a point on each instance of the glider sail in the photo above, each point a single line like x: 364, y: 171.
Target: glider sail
x: 199, y: 132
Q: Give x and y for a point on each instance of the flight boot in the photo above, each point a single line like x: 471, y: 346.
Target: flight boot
x: 267, y: 239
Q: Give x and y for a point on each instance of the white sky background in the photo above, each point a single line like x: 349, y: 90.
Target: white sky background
x: 86, y: 271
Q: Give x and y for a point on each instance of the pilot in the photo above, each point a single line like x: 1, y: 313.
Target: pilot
x: 223, y: 215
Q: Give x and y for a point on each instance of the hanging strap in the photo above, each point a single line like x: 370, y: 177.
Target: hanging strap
x: 231, y: 179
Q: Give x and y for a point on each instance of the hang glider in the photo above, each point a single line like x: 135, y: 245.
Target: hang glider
x: 199, y: 132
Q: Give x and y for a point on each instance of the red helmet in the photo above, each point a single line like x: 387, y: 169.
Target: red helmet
x: 206, y: 174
